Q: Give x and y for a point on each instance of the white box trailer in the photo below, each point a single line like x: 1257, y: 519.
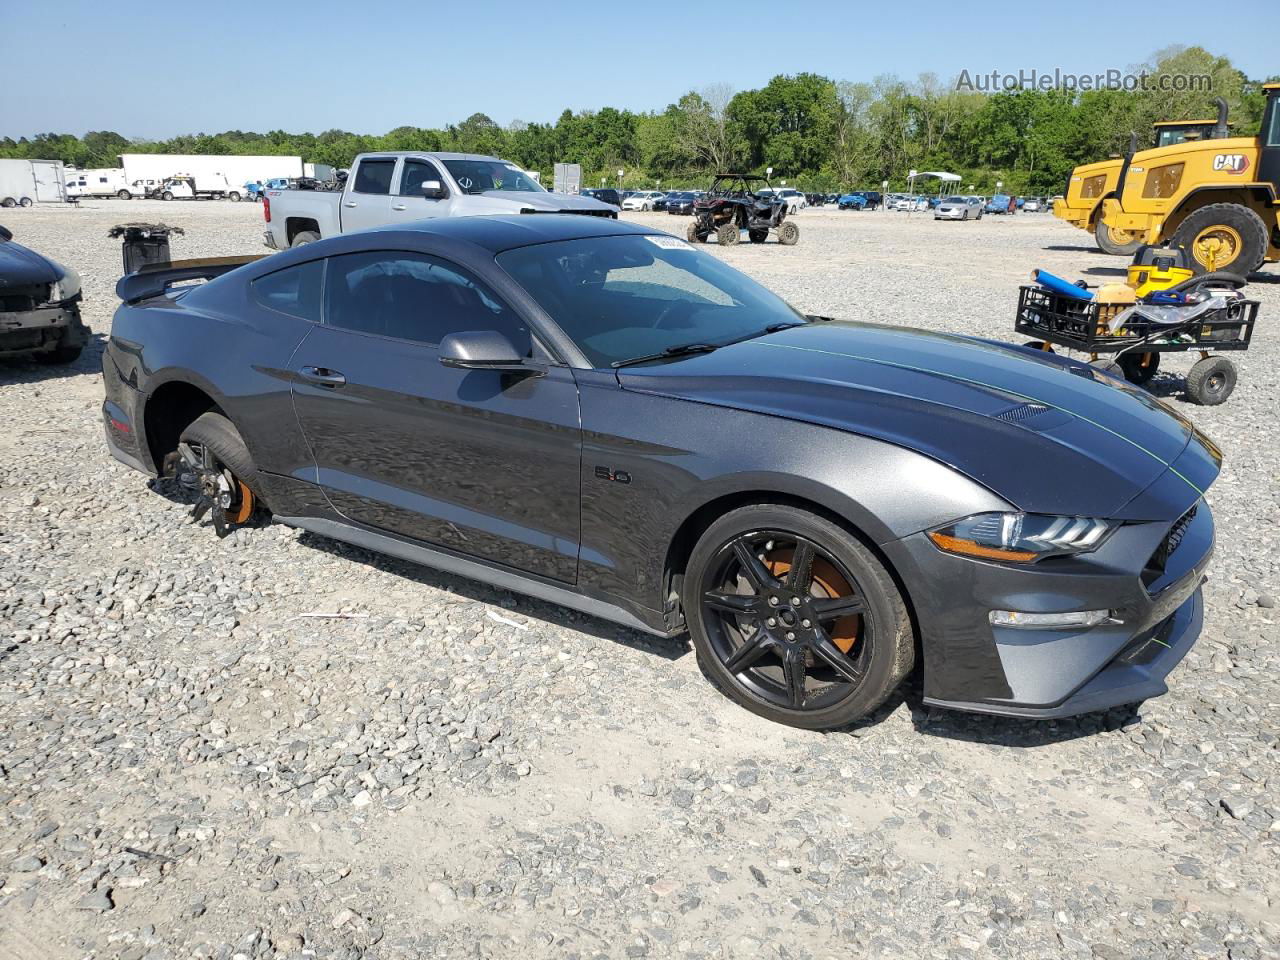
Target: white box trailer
x: 24, y: 182
x: 140, y: 168
x: 318, y: 171
x: 101, y: 182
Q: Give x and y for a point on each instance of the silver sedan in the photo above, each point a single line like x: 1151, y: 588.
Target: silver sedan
x: 958, y: 208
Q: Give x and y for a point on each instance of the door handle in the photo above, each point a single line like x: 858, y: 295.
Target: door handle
x: 398, y: 206
x: 350, y: 203
x: 322, y: 376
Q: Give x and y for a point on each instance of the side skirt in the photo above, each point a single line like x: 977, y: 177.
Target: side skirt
x: 472, y: 569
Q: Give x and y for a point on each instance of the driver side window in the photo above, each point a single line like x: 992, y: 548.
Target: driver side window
x: 415, y: 297
x: 416, y: 173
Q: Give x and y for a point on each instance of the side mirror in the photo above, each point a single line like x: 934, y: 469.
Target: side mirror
x: 434, y: 190
x: 484, y: 350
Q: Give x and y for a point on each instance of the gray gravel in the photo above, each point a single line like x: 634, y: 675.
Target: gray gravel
x: 191, y: 769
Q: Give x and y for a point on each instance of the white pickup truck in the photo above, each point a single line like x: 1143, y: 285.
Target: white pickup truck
x: 387, y: 188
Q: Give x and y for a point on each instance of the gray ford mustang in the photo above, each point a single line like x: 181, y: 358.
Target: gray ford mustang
x: 600, y: 415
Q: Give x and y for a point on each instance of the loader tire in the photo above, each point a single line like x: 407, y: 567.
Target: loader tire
x: 1223, y: 237
x: 1117, y: 243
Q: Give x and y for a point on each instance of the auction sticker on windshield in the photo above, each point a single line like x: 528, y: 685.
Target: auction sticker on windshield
x: 668, y: 243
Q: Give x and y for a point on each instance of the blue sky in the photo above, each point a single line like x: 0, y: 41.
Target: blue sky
x: 374, y: 66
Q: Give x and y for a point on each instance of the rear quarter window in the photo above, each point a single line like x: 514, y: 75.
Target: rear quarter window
x: 296, y: 291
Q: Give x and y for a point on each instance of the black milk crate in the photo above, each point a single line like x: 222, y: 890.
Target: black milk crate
x: 1082, y: 325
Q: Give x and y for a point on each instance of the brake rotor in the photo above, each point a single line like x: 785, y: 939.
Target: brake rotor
x: 830, y: 583
x: 219, y: 492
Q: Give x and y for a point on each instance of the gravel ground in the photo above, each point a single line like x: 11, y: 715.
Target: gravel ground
x: 191, y: 767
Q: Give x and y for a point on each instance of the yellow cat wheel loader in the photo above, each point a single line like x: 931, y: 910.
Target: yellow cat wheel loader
x: 1218, y: 198
x: 1092, y: 183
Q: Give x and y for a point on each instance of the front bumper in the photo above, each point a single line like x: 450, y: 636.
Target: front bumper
x: 44, y: 328
x: 1156, y: 616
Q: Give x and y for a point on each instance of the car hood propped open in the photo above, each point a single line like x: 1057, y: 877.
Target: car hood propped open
x: 1049, y: 435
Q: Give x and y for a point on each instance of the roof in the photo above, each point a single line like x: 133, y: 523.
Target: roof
x: 940, y: 174
x: 499, y: 233
x: 432, y: 153
x: 1271, y: 86
x: 1183, y: 123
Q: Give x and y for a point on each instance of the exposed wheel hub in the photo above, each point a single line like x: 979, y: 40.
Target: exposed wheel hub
x: 219, y: 492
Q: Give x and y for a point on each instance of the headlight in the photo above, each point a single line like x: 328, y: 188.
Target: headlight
x: 1020, y: 537
x: 66, y: 286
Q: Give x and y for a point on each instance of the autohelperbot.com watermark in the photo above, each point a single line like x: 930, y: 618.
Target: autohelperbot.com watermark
x: 997, y: 81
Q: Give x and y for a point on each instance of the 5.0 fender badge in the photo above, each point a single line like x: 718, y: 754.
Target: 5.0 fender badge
x: 617, y: 476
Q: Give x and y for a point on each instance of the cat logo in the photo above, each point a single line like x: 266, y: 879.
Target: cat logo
x: 1234, y: 163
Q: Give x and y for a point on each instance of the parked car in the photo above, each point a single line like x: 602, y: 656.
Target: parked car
x: 642, y: 200
x: 958, y: 208
x: 39, y: 305
x: 908, y: 204
x: 478, y: 395
x: 794, y: 199
x: 1032, y: 205
x: 389, y: 188
x: 999, y: 203
x: 681, y: 202
x: 604, y: 195
x: 852, y: 201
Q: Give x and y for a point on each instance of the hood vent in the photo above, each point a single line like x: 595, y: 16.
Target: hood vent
x: 1022, y: 412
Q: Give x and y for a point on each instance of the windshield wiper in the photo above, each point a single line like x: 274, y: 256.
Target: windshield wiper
x: 684, y: 350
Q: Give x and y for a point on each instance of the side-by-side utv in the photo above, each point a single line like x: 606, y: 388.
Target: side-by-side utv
x: 734, y: 204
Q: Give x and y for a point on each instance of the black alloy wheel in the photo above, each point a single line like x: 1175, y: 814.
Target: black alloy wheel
x: 800, y: 627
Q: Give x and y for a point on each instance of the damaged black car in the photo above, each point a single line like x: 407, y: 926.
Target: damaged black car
x: 39, y: 305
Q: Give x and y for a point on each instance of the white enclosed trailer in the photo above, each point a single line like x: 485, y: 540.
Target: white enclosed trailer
x: 24, y: 182
x: 238, y: 170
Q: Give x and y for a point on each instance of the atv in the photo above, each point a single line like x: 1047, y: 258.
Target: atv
x: 733, y: 204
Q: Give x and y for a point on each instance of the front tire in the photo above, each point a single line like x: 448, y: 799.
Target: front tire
x: 1223, y: 237
x: 167, y: 195
x: 233, y: 197
x: 727, y: 234
x: 1139, y: 368
x: 794, y: 618
x: 788, y: 234
x: 1117, y: 243
x: 1211, y: 381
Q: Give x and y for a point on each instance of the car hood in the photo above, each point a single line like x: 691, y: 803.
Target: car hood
x: 20, y: 267
x: 542, y: 202
x: 1048, y: 435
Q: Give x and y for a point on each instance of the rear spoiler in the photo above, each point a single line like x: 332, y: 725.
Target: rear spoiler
x: 155, y: 279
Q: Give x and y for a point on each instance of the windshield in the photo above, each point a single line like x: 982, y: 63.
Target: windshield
x: 481, y: 176
x: 954, y: 200
x: 619, y: 298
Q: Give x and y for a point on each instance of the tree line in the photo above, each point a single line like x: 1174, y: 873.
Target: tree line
x: 815, y: 132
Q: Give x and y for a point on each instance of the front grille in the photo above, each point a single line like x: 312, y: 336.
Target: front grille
x: 1160, y: 559
x: 23, y: 299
